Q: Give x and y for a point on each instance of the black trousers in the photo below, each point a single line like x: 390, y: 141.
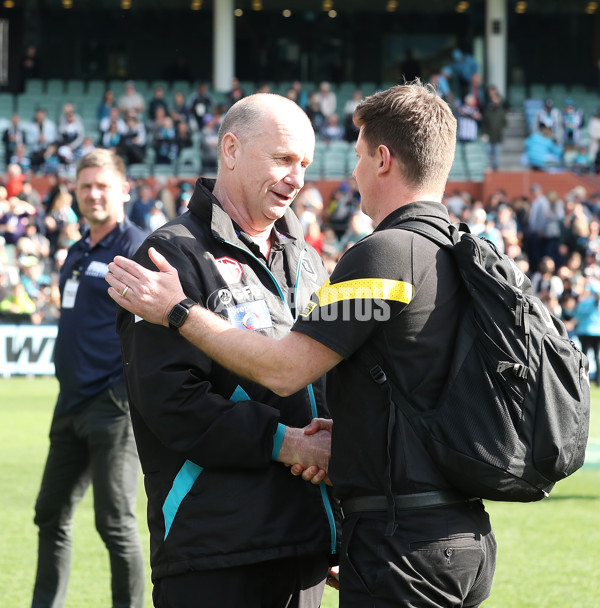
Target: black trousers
x: 296, y: 582
x: 592, y: 343
x: 442, y: 557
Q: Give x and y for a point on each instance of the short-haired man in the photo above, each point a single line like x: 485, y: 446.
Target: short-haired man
x: 91, y: 439
x: 408, y: 538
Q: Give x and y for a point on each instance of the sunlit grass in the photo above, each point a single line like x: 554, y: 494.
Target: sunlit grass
x: 548, y: 552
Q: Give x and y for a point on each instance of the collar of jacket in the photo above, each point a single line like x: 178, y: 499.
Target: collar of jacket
x: 427, y: 210
x: 108, y: 240
x: 205, y: 206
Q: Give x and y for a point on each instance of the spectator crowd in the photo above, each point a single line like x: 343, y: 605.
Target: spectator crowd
x: 154, y: 131
x: 160, y: 129
x: 554, y: 239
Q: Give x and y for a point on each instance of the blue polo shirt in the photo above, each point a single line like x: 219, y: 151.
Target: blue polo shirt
x: 87, y: 353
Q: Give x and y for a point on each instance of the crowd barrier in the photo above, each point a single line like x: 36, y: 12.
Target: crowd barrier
x: 27, y: 350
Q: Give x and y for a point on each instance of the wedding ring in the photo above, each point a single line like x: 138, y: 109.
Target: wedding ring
x: 125, y: 291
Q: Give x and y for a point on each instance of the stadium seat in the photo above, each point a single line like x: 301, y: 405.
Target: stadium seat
x: 34, y: 86
x: 344, y: 92
x: 6, y: 105
x: 367, y: 87
x: 163, y: 170
x: 320, y: 146
x: 338, y: 146
x: 473, y: 158
x: 458, y: 172
x: 90, y: 124
x: 351, y: 159
x: 55, y: 86
x: 558, y: 92
x: 334, y: 164
x: 540, y: 91
x: 75, y: 87
x: 95, y: 89
x: 281, y: 88
x: 26, y: 105
x: 87, y: 108
x: 314, y: 171
x: 248, y: 86
x: 189, y: 162
x: 138, y: 170
x: 150, y: 156
x: 183, y: 86
x: 196, y: 139
x: 117, y: 86
x: 516, y: 95
x: 147, y: 90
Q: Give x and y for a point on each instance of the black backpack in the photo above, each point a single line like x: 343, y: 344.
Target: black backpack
x: 513, y: 417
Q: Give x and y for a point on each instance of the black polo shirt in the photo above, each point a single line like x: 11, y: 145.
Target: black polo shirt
x: 397, y: 294
x: 87, y: 353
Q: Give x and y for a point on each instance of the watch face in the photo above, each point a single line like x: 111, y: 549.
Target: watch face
x: 178, y: 315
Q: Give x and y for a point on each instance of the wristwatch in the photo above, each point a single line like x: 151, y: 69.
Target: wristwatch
x: 180, y: 312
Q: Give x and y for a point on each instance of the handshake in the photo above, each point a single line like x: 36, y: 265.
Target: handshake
x: 307, y: 451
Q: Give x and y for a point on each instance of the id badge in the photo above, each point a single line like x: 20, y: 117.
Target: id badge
x: 70, y: 293
x: 250, y: 315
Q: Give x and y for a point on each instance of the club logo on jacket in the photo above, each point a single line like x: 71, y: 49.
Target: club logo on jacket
x: 308, y: 267
x: 225, y: 297
x: 230, y: 269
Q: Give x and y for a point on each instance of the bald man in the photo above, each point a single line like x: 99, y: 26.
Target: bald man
x: 229, y: 524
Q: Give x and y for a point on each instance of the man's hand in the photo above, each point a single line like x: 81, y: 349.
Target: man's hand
x: 307, y: 450
x: 147, y: 294
x: 333, y: 577
x: 314, y: 473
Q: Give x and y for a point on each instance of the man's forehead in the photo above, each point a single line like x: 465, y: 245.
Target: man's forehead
x: 97, y: 175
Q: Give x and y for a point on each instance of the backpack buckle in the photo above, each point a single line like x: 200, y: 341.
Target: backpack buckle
x: 378, y: 374
x: 518, y: 369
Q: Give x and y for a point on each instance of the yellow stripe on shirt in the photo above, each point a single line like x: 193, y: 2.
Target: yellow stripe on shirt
x: 365, y: 289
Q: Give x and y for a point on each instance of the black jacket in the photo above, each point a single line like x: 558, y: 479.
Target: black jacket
x: 204, y: 435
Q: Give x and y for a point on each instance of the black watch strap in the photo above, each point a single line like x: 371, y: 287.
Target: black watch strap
x: 179, y: 313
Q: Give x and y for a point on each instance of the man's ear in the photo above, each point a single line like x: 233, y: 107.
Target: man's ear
x: 126, y: 190
x: 230, y: 145
x: 384, y: 158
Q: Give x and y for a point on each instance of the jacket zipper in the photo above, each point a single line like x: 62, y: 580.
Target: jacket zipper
x: 309, y: 388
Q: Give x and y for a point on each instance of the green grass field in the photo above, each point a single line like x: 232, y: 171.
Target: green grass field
x: 548, y: 552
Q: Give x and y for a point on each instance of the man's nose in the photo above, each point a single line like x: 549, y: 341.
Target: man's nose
x: 295, y: 177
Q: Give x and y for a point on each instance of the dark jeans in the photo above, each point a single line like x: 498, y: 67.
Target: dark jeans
x: 592, y: 343
x: 94, y: 445
x: 535, y: 249
x: 295, y: 582
x: 442, y: 557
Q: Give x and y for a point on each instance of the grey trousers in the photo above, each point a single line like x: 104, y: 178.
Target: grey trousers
x: 94, y: 445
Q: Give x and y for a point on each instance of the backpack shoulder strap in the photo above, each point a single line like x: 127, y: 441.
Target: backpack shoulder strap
x: 435, y: 233
x: 370, y: 363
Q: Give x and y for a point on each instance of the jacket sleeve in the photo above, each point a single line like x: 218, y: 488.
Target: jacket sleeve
x: 187, y: 402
